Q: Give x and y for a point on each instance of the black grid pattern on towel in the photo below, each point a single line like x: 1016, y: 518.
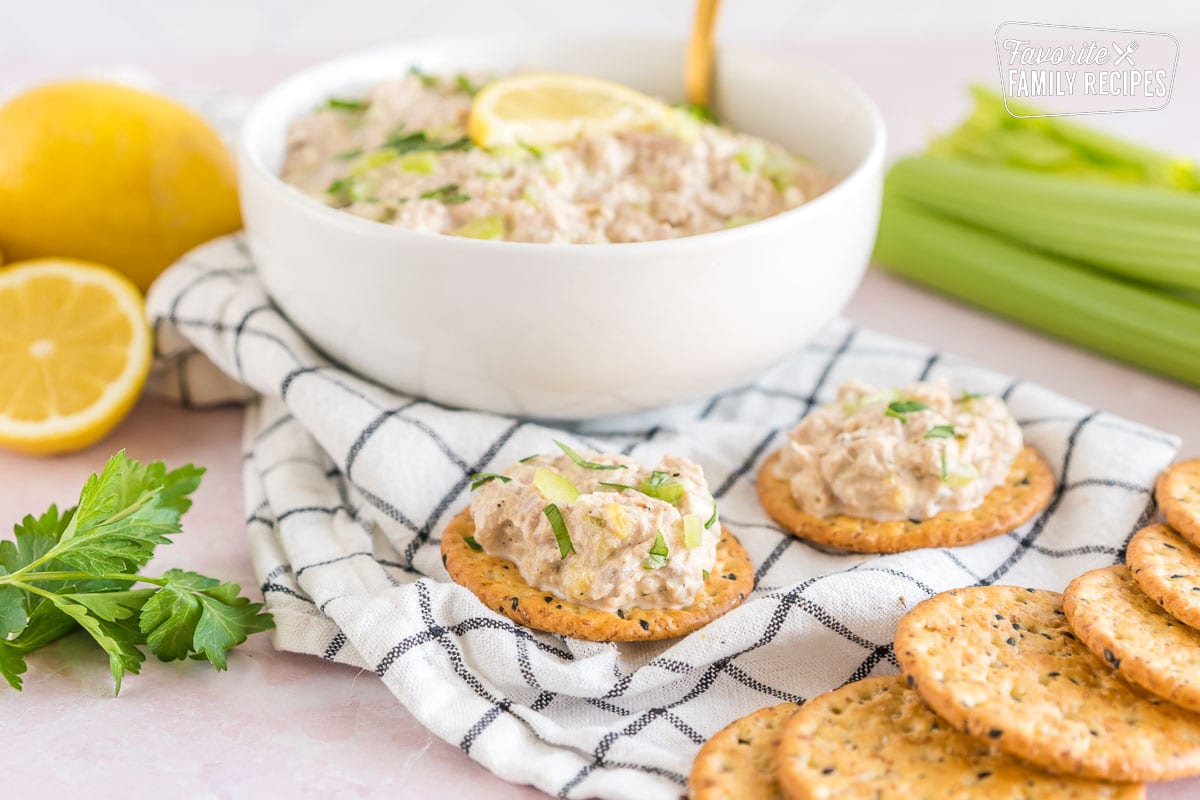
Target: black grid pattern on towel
x: 654, y: 703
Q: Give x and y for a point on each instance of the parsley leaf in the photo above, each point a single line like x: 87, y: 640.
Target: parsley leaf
x: 900, y: 408
x: 579, y: 461
x: 659, y: 554
x: 940, y: 432
x: 62, y: 573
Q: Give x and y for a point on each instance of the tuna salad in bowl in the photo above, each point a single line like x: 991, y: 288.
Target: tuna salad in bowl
x: 423, y: 219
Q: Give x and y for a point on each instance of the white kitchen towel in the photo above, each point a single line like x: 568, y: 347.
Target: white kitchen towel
x: 349, y: 486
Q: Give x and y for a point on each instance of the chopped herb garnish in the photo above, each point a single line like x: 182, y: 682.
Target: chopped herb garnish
x: 659, y: 553
x: 620, y: 487
x: 561, y: 535
x: 699, y: 111
x: 527, y: 459
x: 662, y: 486
x: 713, y: 519
x: 534, y: 151
x: 480, y: 478
x: 349, y: 155
x: 940, y: 432
x: 704, y: 572
x: 352, y: 106
x: 899, y: 408
x: 427, y: 80
x: 691, y: 531
x: 471, y: 543
x: 969, y: 396
x: 447, y: 194
x: 945, y: 473
x: 403, y: 142
x: 579, y: 461
x: 463, y: 84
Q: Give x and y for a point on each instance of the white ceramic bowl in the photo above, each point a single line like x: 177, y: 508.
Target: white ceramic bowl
x: 582, y: 330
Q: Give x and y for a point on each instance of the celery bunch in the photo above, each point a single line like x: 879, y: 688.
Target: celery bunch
x: 1062, y: 228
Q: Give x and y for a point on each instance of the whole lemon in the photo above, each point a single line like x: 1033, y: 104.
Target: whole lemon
x: 111, y: 174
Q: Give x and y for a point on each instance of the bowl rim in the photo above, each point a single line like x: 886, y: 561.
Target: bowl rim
x: 251, y: 157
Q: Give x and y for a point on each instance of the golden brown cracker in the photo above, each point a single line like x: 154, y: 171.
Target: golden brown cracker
x: 498, y: 583
x: 738, y: 762
x: 1178, y: 495
x: 1167, y: 568
x: 876, y: 738
x: 1148, y: 646
x: 1002, y: 664
x: 1024, y: 493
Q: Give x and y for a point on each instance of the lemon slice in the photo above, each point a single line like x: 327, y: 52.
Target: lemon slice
x: 74, y: 352
x: 545, y: 108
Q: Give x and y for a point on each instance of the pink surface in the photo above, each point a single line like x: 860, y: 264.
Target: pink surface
x: 281, y: 723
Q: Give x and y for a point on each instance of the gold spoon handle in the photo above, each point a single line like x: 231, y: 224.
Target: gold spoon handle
x: 698, y: 69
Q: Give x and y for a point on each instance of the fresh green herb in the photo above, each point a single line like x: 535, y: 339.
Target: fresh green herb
x: 352, y: 189
x: 480, y: 478
x: 463, y: 84
x: 447, y: 194
x: 944, y: 474
x: 940, y: 432
x: 349, y: 155
x: 427, y: 80
x: 713, y: 519
x: 579, y: 461
x: 691, y: 531
x: 63, y: 572
x: 403, y: 142
x: 699, y: 111
x: 620, y: 487
x: 471, y: 543
x: 491, y: 227
x: 533, y: 150
x: 662, y: 486
x: 352, y: 106
x: 561, y: 535
x: 555, y: 487
x: 969, y: 396
x: 527, y: 459
x: 658, y: 553
x: 900, y: 408
x: 704, y: 572
x: 418, y: 162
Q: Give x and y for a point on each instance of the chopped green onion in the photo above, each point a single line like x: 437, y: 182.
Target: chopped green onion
x: 738, y: 220
x: 962, y: 475
x: 969, y: 396
x: 427, y: 80
x: 352, y: 189
x: 662, y: 486
x: 372, y: 161
x: 752, y: 158
x: 561, y: 535
x: 713, y: 519
x: 349, y: 155
x: 489, y: 227
x: 447, y: 194
x: 620, y: 487
x: 691, y: 531
x: 704, y: 572
x: 420, y: 162
x: 699, y: 112
x: 403, y: 142
x: 940, y: 432
x: 533, y: 150
x: 528, y: 458
x: 352, y: 106
x: 944, y: 473
x: 780, y: 170
x: 463, y: 84
x: 471, y: 543
x: 555, y: 487
x: 579, y: 461
x: 900, y: 408
x: 659, y: 554
x: 480, y: 478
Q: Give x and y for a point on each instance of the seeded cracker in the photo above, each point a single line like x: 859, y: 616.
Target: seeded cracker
x: 1002, y: 664
x: 1178, y: 495
x: 1137, y: 638
x: 498, y: 583
x: 876, y: 738
x: 1167, y: 568
x: 1025, y: 492
x: 738, y: 762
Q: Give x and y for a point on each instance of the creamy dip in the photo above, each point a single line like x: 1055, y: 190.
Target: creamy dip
x: 904, y: 453
x: 401, y: 156
x: 630, y: 550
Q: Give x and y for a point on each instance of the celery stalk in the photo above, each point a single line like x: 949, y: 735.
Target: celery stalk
x: 1060, y: 297
x: 1142, y: 232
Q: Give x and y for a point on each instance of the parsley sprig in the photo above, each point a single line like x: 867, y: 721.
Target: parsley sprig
x: 77, y: 569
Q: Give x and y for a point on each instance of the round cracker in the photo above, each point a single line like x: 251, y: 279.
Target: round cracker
x: 1178, y: 495
x: 1148, y: 646
x: 498, y: 583
x: 1167, y: 568
x: 738, y: 762
x: 1024, y: 493
x: 1002, y: 664
x: 876, y: 738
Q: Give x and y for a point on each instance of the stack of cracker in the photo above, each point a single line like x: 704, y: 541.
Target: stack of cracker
x: 1006, y: 692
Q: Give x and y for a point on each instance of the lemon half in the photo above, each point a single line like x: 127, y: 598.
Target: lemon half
x: 74, y: 352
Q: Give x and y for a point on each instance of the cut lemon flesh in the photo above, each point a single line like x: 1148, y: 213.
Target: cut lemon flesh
x: 545, y: 108
x: 74, y: 353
